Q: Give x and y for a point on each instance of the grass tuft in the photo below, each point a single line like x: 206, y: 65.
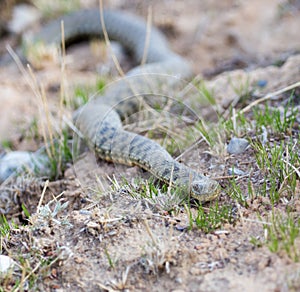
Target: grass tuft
x: 280, y: 122
x: 278, y: 163
x: 215, y: 217
x: 282, y: 234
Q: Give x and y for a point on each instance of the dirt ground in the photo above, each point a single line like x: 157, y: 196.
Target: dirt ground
x: 114, y: 241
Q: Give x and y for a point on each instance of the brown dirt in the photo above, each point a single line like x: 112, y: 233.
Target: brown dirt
x: 115, y: 241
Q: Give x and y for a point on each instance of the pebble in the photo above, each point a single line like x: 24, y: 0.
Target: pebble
x: 24, y: 15
x: 261, y: 83
x: 236, y: 171
x: 11, y: 162
x: 237, y: 145
x: 6, y: 263
x: 14, y: 161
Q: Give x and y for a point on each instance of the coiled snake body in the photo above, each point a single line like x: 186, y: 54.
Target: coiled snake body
x: 100, y: 119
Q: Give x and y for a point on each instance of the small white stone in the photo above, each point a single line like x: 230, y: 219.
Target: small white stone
x: 12, y: 162
x: 237, y: 145
x: 6, y: 263
x: 24, y: 15
x: 236, y: 171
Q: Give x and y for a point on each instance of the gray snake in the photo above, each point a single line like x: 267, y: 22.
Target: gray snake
x: 100, y: 119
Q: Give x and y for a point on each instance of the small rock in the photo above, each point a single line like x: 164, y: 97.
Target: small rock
x: 261, y: 83
x: 6, y: 263
x: 220, y: 232
x: 24, y: 15
x: 15, y: 161
x: 178, y: 280
x: 181, y: 227
x: 236, y: 171
x: 11, y: 162
x: 237, y: 145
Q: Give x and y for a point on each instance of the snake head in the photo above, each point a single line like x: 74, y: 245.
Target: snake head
x: 205, y: 189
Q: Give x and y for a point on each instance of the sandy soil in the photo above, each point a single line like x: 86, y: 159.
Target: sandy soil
x: 118, y: 242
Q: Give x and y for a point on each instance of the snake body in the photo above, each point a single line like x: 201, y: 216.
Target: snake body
x: 100, y: 120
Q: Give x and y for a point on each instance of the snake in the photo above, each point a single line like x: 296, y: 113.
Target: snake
x: 100, y: 120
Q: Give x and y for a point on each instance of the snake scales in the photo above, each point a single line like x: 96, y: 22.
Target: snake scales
x: 100, y: 119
